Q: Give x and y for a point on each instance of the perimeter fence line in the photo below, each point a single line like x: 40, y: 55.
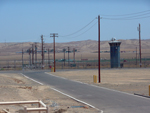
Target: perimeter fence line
x: 71, y: 64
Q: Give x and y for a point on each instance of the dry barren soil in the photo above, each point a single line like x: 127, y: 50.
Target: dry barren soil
x: 15, y: 87
x: 125, y: 80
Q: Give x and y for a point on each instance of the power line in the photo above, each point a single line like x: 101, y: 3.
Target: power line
x: 128, y: 14
x: 77, y: 30
x: 84, y: 31
x: 131, y: 16
x: 127, y: 18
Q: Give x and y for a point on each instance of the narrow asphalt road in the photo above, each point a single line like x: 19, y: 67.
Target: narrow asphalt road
x: 104, y: 99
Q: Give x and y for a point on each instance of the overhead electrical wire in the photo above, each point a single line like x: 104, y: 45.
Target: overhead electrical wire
x: 139, y: 15
x: 84, y: 31
x: 78, y: 30
x: 126, y: 18
x: 127, y: 14
x: 131, y: 16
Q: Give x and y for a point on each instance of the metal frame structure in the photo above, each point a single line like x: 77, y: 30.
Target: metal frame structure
x: 40, y: 103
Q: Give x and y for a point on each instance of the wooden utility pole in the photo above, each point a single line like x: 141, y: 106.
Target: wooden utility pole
x: 68, y: 56
x: 74, y: 54
x: 64, y: 50
x: 32, y: 54
x: 22, y: 58
x: 139, y: 29
x: 54, y: 35
x: 42, y: 51
x: 136, y: 55
x: 48, y: 58
x: 99, y: 49
x: 35, y: 55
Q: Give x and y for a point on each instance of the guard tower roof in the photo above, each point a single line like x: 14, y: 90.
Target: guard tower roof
x: 115, y: 41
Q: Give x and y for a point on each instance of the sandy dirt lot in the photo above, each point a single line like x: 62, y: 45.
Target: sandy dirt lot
x: 15, y: 87
x: 126, y: 80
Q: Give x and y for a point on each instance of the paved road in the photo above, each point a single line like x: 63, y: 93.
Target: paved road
x: 104, y: 99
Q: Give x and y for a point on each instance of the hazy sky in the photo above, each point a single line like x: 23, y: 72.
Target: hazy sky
x: 27, y: 20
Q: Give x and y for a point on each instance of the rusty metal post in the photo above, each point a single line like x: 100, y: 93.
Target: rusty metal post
x: 99, y: 48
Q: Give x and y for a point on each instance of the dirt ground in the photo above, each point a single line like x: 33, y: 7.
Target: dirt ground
x: 15, y: 87
x: 126, y: 80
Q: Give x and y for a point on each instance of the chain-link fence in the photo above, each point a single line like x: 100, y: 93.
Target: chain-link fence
x: 127, y: 60
x: 78, y: 64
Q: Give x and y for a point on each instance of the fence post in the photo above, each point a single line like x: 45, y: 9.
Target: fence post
x: 47, y: 109
x: 25, y: 109
x: 39, y: 107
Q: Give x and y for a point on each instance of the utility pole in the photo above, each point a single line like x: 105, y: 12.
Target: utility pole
x: 22, y: 58
x: 74, y: 54
x: 32, y: 54
x: 136, y: 55
x: 68, y: 56
x: 30, y: 57
x: 54, y: 35
x: 48, y: 58
x: 64, y: 50
x: 42, y: 51
x: 139, y: 29
x: 99, y: 49
x: 35, y: 55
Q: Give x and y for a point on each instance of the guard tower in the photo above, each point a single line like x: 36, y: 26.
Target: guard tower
x: 114, y: 53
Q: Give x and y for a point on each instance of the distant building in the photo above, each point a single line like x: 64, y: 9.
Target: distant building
x: 114, y: 53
